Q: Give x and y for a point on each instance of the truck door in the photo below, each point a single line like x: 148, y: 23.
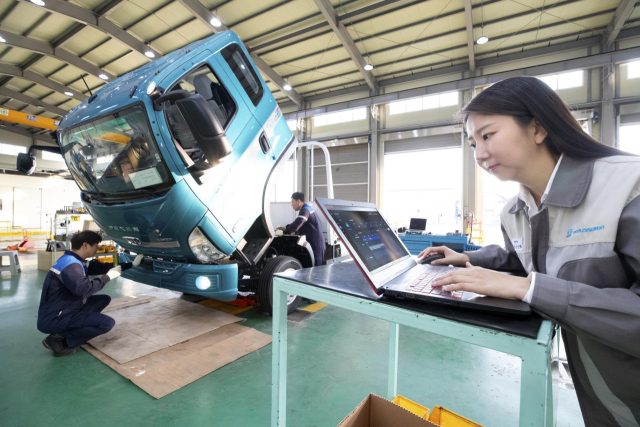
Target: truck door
x: 202, y: 75
x: 240, y: 200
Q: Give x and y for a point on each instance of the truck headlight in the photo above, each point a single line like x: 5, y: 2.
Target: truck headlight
x: 202, y: 248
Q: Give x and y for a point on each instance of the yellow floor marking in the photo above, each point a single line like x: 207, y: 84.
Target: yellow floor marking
x: 315, y: 307
x: 225, y: 308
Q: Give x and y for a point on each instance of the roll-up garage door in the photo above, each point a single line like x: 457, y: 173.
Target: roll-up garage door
x: 350, y: 170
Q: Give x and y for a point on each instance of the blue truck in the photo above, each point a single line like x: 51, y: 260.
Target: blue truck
x: 174, y: 161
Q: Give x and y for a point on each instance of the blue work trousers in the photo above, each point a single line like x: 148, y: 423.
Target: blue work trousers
x: 89, y: 322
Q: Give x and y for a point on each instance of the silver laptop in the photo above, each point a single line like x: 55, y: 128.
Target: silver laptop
x: 389, y: 267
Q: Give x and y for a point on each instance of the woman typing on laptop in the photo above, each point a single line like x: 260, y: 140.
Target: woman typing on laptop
x: 573, y: 228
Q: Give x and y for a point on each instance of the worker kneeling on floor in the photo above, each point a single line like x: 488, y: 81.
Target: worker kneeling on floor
x: 69, y: 310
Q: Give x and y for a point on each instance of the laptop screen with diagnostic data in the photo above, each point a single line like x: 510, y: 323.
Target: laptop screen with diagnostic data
x: 369, y: 235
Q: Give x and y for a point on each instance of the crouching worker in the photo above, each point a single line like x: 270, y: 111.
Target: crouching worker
x: 69, y: 310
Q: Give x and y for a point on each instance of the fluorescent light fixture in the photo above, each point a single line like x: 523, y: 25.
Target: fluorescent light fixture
x: 2, y: 40
x: 368, y: 67
x: 286, y: 87
x: 215, y: 22
x: 103, y: 77
x: 150, y: 54
x: 38, y: 2
x: 68, y: 93
x: 483, y: 40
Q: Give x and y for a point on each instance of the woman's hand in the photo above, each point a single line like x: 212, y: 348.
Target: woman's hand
x: 451, y: 257
x: 484, y: 282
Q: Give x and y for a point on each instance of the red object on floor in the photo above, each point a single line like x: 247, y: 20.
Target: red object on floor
x: 243, y: 301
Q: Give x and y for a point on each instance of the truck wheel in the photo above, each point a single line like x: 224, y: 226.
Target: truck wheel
x: 265, y: 286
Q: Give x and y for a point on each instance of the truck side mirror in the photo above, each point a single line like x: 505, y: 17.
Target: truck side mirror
x: 160, y: 98
x: 205, y: 127
x: 26, y: 162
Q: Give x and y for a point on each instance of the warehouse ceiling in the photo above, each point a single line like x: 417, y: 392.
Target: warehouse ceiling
x: 52, y: 48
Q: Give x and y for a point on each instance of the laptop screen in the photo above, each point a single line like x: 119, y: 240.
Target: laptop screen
x: 418, y: 224
x: 369, y: 235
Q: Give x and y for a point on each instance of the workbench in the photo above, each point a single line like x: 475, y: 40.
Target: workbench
x: 343, y: 285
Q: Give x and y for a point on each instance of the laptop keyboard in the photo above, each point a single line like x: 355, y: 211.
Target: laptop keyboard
x: 423, y: 284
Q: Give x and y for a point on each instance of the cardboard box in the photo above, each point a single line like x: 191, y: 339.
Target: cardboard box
x: 375, y: 411
x: 45, y: 259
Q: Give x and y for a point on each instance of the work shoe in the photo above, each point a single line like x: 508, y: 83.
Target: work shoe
x: 58, y: 345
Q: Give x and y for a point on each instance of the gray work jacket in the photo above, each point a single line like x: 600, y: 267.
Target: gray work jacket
x: 584, y: 246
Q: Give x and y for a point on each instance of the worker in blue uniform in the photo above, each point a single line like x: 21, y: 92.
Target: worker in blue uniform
x: 307, y: 224
x: 69, y: 311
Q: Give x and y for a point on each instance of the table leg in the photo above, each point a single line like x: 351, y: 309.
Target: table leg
x: 279, y: 361
x: 534, y: 386
x: 392, y: 382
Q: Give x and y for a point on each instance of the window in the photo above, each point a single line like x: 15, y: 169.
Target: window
x: 407, y: 194
x: 424, y: 103
x: 346, y: 116
x: 244, y: 72
x: 12, y: 150
x: 205, y: 83
x: 564, y: 80
x: 495, y: 194
x: 629, y: 139
x: 52, y: 157
x: 633, y: 70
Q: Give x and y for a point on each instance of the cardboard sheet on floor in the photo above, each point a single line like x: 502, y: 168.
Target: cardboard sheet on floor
x: 145, y: 328
x: 167, y: 370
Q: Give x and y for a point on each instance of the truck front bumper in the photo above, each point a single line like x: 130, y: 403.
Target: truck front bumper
x: 222, y: 280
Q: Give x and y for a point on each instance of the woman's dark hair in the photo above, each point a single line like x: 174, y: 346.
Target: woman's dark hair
x: 90, y: 237
x: 528, y: 98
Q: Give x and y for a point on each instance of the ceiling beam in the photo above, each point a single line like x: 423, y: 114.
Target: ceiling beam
x: 204, y: 15
x: 45, y: 48
x: 14, y: 71
x: 320, y: 25
x: 32, y: 101
x: 624, y: 10
x: 92, y: 19
x: 468, y: 17
x: 277, y: 80
x: 339, y: 29
x: 24, y: 132
x: 583, y: 63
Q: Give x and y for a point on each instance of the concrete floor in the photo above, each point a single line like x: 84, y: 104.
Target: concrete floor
x: 335, y: 359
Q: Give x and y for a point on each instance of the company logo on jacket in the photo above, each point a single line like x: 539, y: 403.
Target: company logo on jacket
x: 571, y: 231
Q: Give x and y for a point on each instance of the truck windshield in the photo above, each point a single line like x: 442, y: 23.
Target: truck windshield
x: 115, y: 154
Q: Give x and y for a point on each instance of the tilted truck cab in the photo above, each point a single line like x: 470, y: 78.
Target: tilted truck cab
x: 174, y: 161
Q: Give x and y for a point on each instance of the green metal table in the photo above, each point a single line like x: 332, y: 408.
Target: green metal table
x: 342, y: 285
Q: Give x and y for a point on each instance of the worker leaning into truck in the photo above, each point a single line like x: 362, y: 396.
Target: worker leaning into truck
x: 307, y: 224
x: 69, y: 311
x: 573, y: 228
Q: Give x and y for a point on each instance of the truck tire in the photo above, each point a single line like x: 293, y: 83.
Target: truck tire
x: 278, y: 264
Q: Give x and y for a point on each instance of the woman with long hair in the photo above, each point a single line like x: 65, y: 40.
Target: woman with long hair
x: 573, y: 228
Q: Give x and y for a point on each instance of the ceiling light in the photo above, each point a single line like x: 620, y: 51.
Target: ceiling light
x: 150, y: 54
x: 368, y: 67
x: 2, y: 40
x: 38, y: 2
x: 68, y: 93
x: 287, y: 86
x: 103, y: 77
x: 151, y: 88
x: 214, y: 21
x: 483, y: 40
